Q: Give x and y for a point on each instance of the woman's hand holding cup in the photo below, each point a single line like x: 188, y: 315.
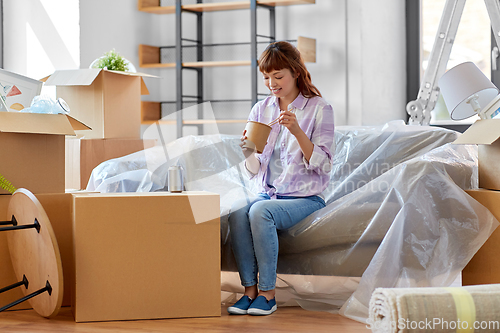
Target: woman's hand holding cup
x: 247, y: 146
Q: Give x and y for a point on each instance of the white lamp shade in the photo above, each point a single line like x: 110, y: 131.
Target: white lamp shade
x: 459, y: 84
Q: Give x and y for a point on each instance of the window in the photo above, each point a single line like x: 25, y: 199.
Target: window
x: 41, y: 36
x: 472, y: 43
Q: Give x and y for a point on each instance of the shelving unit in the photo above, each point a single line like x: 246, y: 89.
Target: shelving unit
x: 151, y: 56
x: 153, y: 7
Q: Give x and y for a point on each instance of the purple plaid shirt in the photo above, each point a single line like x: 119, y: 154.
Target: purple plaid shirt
x: 299, y: 177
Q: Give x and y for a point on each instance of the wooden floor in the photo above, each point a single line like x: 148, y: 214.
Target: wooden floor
x: 286, y: 319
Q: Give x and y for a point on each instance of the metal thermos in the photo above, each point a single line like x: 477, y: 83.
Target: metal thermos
x: 175, y: 179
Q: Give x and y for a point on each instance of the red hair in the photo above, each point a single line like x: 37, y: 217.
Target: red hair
x: 281, y: 55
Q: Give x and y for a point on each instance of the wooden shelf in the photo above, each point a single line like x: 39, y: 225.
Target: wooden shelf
x: 195, y: 121
x: 149, y: 57
x: 151, y: 114
x: 217, y: 63
x: 153, y: 6
x: 200, y: 64
x: 161, y: 122
x: 213, y: 121
x: 165, y: 65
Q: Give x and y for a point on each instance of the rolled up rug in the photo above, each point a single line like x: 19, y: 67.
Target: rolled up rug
x: 453, y: 309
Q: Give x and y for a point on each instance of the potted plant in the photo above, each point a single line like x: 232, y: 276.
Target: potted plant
x: 112, y: 61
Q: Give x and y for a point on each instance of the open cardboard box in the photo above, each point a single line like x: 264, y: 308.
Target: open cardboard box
x: 32, y: 146
x: 485, y: 134
x: 108, y: 101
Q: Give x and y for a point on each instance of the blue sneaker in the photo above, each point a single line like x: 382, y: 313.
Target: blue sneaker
x: 262, y: 307
x: 240, y: 307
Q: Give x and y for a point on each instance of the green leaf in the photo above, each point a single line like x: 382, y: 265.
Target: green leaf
x: 112, y: 61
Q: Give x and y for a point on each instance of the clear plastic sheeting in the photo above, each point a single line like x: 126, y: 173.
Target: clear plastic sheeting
x: 397, y: 214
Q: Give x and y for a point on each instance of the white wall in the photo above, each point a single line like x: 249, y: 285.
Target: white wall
x: 326, y: 22
x: 376, y: 66
x: 117, y: 24
x: 40, y: 36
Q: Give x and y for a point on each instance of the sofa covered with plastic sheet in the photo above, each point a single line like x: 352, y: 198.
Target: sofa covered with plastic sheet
x: 396, y: 214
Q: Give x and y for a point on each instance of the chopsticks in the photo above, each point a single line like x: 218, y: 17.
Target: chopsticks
x: 274, y: 121
x: 278, y: 119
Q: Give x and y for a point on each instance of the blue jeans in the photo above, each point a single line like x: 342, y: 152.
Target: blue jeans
x: 254, y: 234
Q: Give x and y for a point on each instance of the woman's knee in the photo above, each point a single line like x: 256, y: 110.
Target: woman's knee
x: 239, y: 211
x: 260, y: 211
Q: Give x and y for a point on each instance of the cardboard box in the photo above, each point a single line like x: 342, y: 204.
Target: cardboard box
x: 108, y: 101
x: 485, y: 133
x: 32, y: 147
x: 58, y: 209
x: 83, y: 155
x: 484, y: 267
x: 146, y: 255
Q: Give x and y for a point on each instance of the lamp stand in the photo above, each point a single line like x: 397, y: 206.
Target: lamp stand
x: 420, y: 109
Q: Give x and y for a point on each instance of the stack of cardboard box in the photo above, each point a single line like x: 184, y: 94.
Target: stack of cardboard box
x: 33, y: 158
x: 109, y: 102
x: 44, y: 154
x: 484, y: 267
x: 124, y: 255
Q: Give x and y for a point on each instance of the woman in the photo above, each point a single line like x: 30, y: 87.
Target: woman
x: 292, y: 172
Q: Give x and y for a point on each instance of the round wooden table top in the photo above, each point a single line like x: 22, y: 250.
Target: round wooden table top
x: 35, y: 254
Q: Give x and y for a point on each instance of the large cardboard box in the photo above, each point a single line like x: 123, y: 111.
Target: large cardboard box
x: 32, y: 148
x: 146, y: 255
x: 484, y: 267
x: 108, y: 101
x: 486, y: 134
x: 83, y: 155
x: 58, y: 209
